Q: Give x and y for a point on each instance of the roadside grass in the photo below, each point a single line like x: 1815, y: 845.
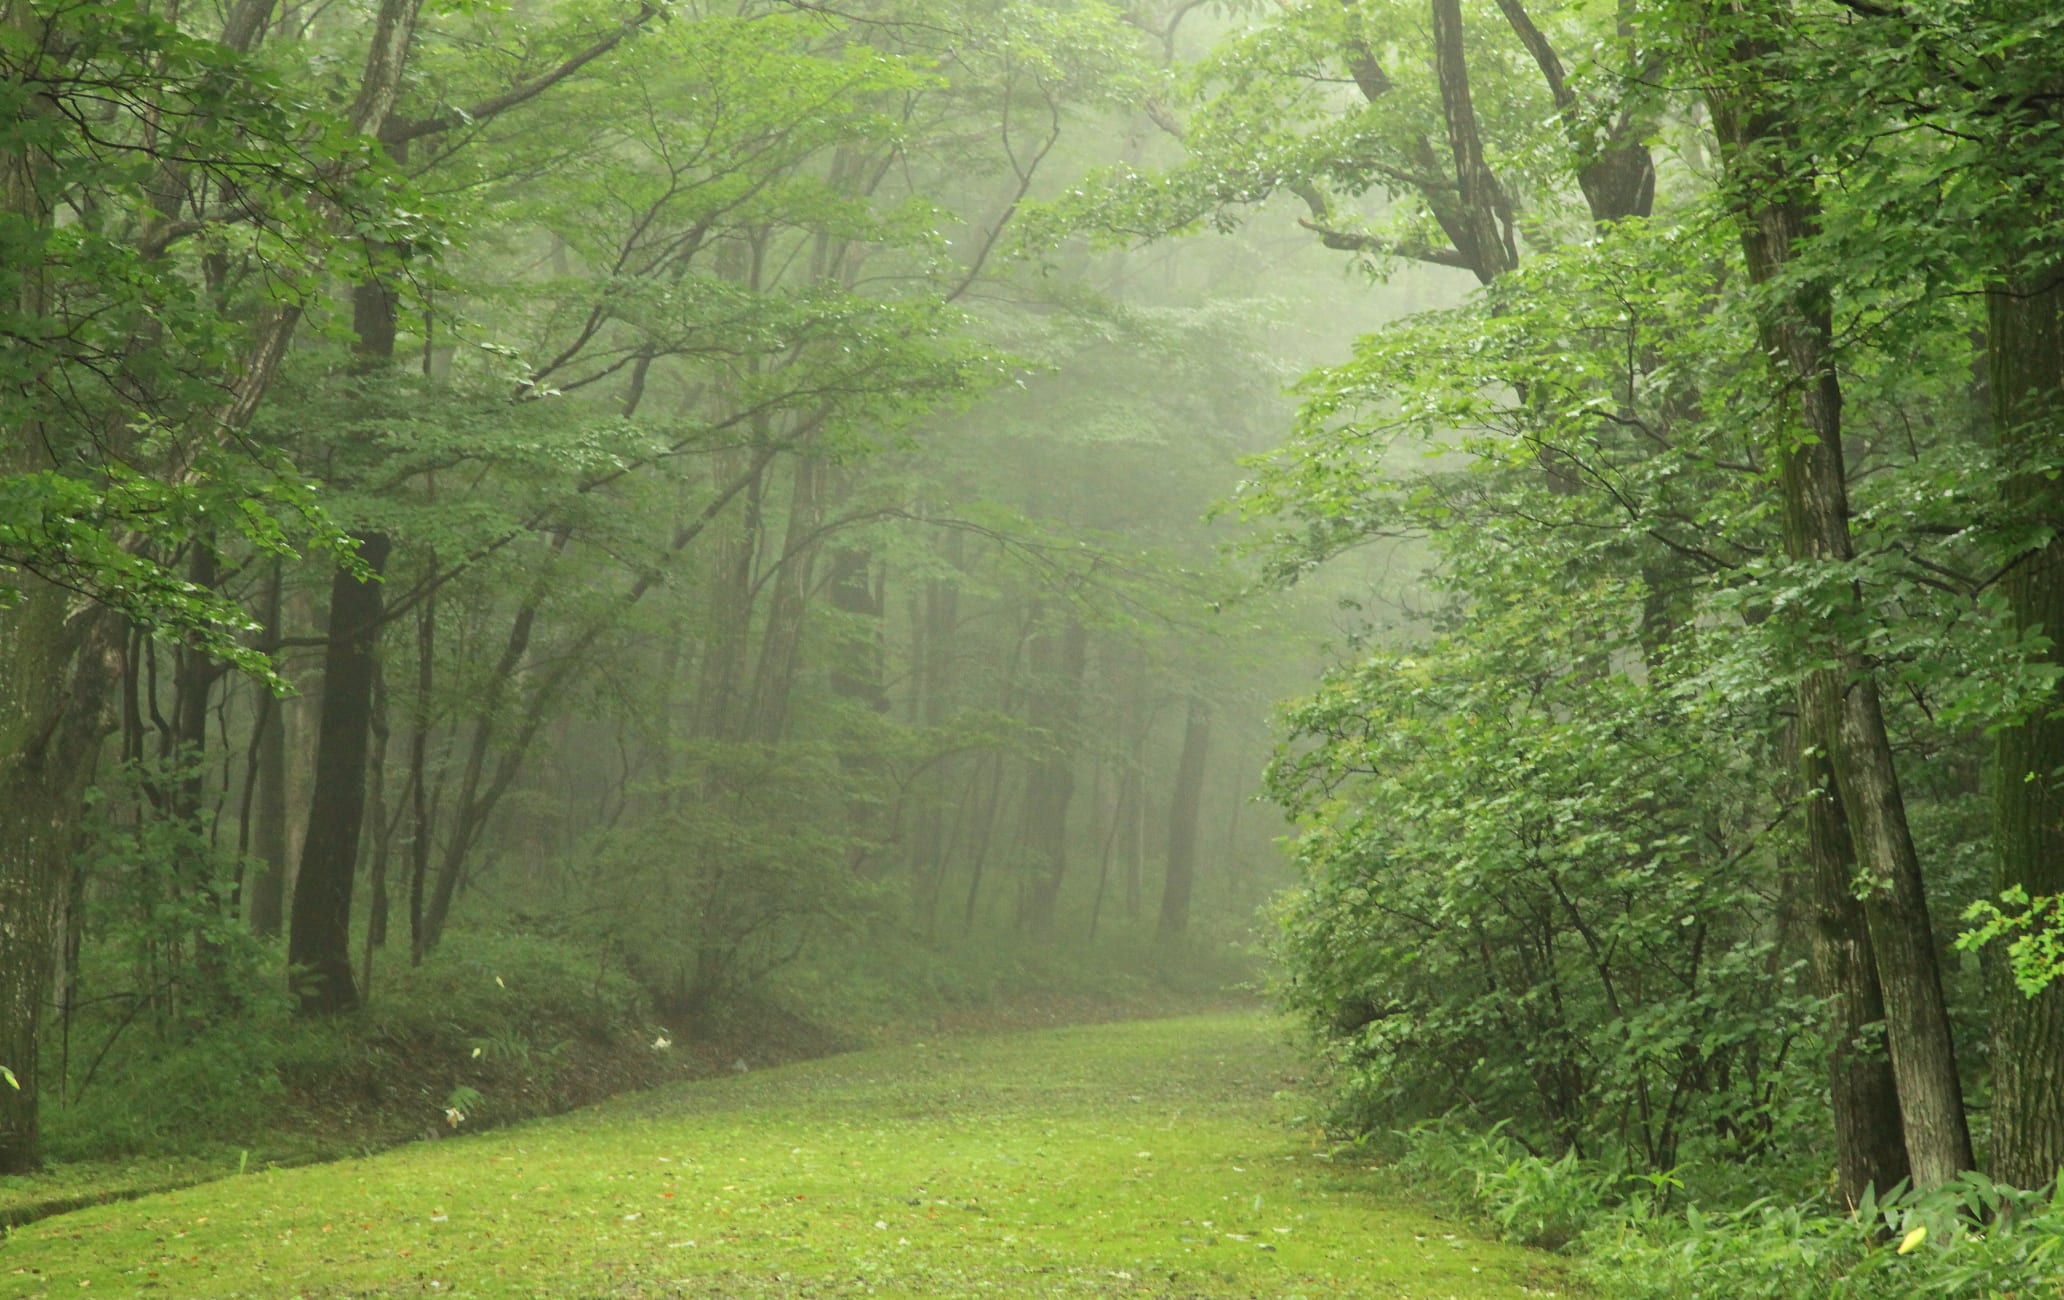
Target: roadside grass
x: 1140, y: 1159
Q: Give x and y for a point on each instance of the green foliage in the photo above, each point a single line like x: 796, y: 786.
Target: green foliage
x: 494, y: 1018
x: 159, y: 903
x: 2034, y: 932
x: 740, y: 866
x: 120, y: 350
x: 1531, y: 886
x: 1652, y: 1237
x: 1970, y: 1238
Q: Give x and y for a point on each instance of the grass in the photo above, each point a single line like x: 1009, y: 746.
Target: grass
x: 1141, y: 1159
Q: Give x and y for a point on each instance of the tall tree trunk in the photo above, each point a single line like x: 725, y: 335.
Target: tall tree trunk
x: 1058, y: 662
x: 2027, y: 372
x: 718, y: 708
x: 319, y: 930
x: 781, y: 644
x: 383, y: 833
x: 1183, y: 810
x: 319, y: 935
x: 1870, y: 1146
x: 268, y: 888
x: 857, y: 671
x: 194, y: 678
x: 1774, y: 188
x: 54, y: 671
x: 420, y: 819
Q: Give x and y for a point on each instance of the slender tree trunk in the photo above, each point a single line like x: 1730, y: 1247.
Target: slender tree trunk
x: 319, y: 935
x: 383, y: 833
x: 1058, y: 663
x: 857, y: 671
x: 268, y: 888
x: 781, y: 644
x: 718, y: 709
x: 420, y: 828
x: 2027, y: 373
x: 1183, y: 810
x: 1778, y: 213
x: 319, y: 930
x: 1870, y: 1146
x: 194, y: 678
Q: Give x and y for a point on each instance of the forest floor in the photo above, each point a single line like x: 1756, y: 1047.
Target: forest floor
x: 328, y: 1091
x: 1158, y: 1158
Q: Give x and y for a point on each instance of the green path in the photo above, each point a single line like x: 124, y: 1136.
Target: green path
x: 1141, y: 1159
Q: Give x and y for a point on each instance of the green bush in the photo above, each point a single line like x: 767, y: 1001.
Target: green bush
x: 745, y: 866
x: 495, y: 1016
x: 1537, y: 887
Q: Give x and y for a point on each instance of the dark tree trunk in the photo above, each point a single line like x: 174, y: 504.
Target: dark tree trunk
x: 319, y: 931
x: 420, y: 828
x: 1051, y: 786
x: 1870, y: 1147
x: 1183, y: 810
x: 781, y: 644
x: 2027, y: 370
x: 268, y: 888
x: 383, y: 834
x: 193, y: 690
x: 1778, y: 212
x: 57, y: 670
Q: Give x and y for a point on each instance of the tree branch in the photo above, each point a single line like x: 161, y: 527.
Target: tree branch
x: 399, y: 132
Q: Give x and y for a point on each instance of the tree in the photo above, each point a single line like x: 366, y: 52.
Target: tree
x: 1840, y: 714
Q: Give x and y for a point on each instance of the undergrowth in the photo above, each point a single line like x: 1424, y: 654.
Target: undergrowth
x: 509, y: 1023
x: 1647, y: 1236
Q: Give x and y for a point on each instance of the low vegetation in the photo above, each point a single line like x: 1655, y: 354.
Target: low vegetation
x: 1150, y: 1158
x: 499, y: 1027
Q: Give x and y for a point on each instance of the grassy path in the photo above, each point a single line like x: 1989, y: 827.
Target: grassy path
x: 1143, y: 1159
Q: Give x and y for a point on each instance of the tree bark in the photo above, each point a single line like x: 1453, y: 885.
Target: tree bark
x: 2026, y: 370
x: 54, y: 673
x: 781, y: 643
x: 1057, y: 663
x: 268, y: 890
x: 1184, y: 808
x: 54, y: 667
x: 718, y: 710
x: 1778, y: 213
x: 420, y: 816
x: 1870, y: 1145
x: 319, y: 931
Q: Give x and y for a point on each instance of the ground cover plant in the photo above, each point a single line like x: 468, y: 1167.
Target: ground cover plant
x: 503, y: 1026
x: 1150, y: 1158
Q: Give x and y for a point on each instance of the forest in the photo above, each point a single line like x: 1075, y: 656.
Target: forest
x: 1527, y: 531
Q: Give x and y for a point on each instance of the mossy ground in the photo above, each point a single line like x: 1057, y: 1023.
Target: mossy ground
x: 1141, y: 1159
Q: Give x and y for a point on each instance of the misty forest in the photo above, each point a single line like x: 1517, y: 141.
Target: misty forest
x: 1032, y: 647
